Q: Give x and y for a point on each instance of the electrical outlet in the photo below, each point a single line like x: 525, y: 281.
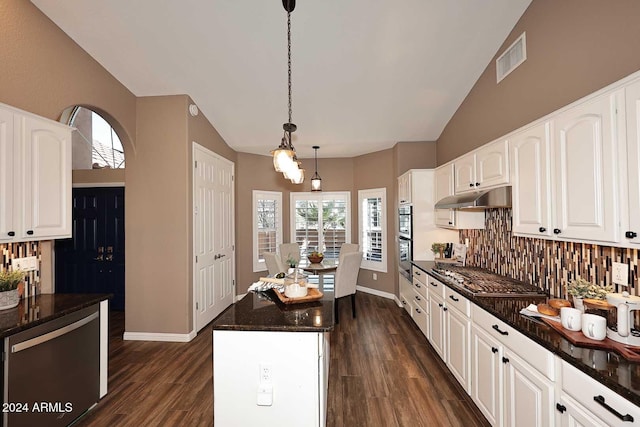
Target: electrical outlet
x: 375, y: 276
x: 620, y: 273
x: 265, y: 373
x: 29, y: 263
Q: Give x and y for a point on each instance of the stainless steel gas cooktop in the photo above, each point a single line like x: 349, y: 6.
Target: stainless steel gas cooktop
x: 483, y: 283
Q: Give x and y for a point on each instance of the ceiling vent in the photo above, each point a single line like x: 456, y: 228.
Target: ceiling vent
x: 515, y: 55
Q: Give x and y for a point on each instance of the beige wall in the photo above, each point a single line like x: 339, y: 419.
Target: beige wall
x: 574, y: 47
x: 98, y: 176
x: 415, y: 155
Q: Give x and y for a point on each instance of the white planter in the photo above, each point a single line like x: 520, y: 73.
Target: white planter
x: 9, y: 299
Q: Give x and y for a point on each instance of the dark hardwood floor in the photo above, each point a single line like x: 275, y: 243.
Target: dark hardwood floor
x: 382, y: 373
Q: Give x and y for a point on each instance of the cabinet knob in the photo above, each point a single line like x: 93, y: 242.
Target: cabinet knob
x: 630, y: 234
x: 434, y: 284
x: 417, y: 285
x: 450, y: 223
x: 417, y: 297
x: 542, y: 229
x: 439, y: 305
x: 477, y: 184
x: 505, y: 360
x: 557, y: 231
x: 445, y: 308
x: 454, y: 298
x: 11, y: 233
x: 29, y: 232
x: 561, y: 408
x: 417, y: 273
x: 418, y: 311
x: 494, y: 350
x: 404, y: 302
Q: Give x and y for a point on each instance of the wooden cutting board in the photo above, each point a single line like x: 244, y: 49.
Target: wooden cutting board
x: 577, y: 338
x: 312, y: 295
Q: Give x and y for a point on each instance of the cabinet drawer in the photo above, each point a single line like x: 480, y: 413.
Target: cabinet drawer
x: 421, y: 318
x: 418, y: 275
x: 406, y: 303
x: 420, y: 288
x: 420, y: 300
x: 585, y: 390
x: 532, y: 353
x: 454, y: 299
x: 436, y: 286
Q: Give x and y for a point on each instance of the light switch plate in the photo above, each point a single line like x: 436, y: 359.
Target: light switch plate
x: 29, y: 263
x: 620, y: 273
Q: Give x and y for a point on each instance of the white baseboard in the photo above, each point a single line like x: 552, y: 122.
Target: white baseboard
x: 398, y: 302
x: 152, y: 336
x: 239, y: 297
x: 375, y: 292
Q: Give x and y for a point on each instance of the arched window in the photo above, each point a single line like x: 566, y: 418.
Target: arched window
x: 96, y: 144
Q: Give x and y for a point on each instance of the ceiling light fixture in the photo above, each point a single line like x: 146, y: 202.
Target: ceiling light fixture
x: 284, y: 157
x: 316, y: 181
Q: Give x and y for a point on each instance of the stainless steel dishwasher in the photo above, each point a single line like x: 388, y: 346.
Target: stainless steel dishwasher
x: 52, y: 371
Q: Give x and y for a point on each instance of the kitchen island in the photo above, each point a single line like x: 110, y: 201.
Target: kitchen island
x: 271, y: 361
x: 55, y: 349
x: 502, y: 340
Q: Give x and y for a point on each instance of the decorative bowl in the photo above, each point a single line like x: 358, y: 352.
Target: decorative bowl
x: 315, y: 259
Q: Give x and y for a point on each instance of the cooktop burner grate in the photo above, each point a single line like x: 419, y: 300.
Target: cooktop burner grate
x: 483, y: 283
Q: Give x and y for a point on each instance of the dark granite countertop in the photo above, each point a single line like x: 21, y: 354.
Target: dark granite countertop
x: 607, y: 367
x: 42, y: 308
x: 263, y: 311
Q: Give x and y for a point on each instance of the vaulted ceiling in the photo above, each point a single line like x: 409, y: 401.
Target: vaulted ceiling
x: 366, y: 73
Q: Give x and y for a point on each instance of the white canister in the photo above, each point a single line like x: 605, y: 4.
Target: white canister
x: 594, y: 327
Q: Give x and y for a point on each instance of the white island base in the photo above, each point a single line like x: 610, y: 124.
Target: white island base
x: 264, y: 378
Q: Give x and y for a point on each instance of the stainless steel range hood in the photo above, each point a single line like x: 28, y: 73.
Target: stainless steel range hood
x: 495, y: 198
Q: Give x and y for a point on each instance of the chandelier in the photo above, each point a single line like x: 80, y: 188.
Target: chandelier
x: 284, y: 157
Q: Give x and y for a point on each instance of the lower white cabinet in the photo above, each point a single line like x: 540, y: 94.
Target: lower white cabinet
x: 528, y: 394
x: 449, y: 332
x: 512, y: 377
x: 574, y: 414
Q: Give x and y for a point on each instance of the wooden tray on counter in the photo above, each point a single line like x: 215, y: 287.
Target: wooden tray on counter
x: 577, y: 338
x: 312, y: 295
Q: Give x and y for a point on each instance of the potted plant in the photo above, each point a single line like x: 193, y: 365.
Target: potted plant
x: 291, y: 261
x: 580, y: 289
x: 438, y: 249
x: 9, y: 281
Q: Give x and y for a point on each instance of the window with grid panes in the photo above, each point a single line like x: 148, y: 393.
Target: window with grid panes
x: 320, y: 222
x: 372, y: 228
x: 267, y: 225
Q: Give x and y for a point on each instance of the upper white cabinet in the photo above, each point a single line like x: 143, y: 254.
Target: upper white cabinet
x: 485, y: 168
x: 450, y: 218
x: 35, y: 177
x: 530, y: 180
x: 404, y: 188
x: 585, y: 153
x: 632, y: 97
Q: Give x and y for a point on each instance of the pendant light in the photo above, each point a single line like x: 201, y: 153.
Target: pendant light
x: 316, y: 181
x: 284, y: 157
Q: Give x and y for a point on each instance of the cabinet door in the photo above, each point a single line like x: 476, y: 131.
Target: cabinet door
x: 632, y: 97
x: 45, y: 179
x: 492, y: 165
x: 436, y: 325
x: 404, y: 188
x: 530, y: 181
x: 486, y: 382
x: 575, y: 415
x: 7, y: 225
x: 465, y: 173
x: 458, y: 329
x: 444, y: 187
x: 586, y: 183
x: 528, y: 394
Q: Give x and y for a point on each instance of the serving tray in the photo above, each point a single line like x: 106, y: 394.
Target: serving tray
x: 312, y: 295
x: 577, y: 338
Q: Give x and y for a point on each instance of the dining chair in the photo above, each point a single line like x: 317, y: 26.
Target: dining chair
x: 273, y: 262
x: 346, y: 279
x: 349, y: 247
x: 289, y: 250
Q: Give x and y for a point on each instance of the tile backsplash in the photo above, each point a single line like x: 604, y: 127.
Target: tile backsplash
x: 547, y: 264
x: 8, y: 251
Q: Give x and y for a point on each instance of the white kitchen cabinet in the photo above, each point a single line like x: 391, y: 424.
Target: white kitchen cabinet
x: 530, y: 180
x: 585, y: 398
x: 574, y: 414
x: 449, y: 332
x: 486, y: 375
x: 528, y: 394
x: 485, y: 168
x: 451, y: 218
x: 632, y: 99
x: 404, y: 188
x: 35, y: 187
x: 405, y: 292
x: 585, y: 154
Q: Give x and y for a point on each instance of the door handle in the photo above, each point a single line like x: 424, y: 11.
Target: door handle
x: 497, y: 328
x: 600, y: 399
x: 100, y: 256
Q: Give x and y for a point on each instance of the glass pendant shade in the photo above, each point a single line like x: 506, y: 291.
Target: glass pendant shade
x: 296, y: 176
x: 282, y: 159
x: 291, y: 169
x: 316, y: 183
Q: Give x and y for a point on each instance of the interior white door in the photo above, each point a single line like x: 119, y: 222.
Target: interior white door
x: 213, y: 235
